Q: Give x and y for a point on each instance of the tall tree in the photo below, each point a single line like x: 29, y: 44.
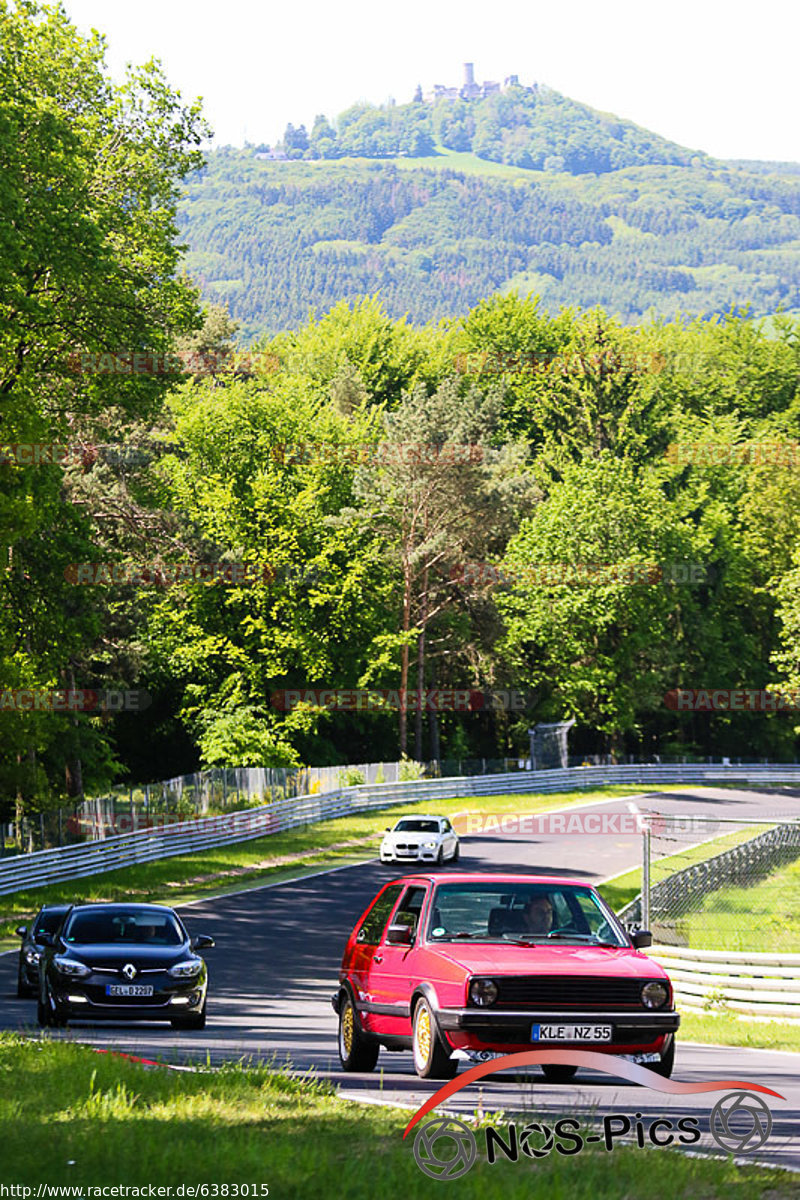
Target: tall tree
x: 88, y: 266
x: 441, y: 494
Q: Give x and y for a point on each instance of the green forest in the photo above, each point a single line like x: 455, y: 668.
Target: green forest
x: 583, y: 509
x: 433, y: 236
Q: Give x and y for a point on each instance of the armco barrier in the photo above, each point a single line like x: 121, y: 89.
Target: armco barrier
x: 75, y: 862
x: 763, y: 985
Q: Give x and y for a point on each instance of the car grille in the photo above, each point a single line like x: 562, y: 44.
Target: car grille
x: 564, y: 992
x: 406, y: 848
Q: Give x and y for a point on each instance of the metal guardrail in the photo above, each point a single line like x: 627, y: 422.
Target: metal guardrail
x: 75, y: 862
x: 763, y: 985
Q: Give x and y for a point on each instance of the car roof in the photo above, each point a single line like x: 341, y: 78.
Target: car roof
x: 490, y: 877
x: 55, y: 908
x: 121, y: 906
x: 420, y: 817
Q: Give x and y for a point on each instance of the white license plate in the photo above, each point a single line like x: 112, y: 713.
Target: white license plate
x: 129, y: 989
x: 571, y: 1033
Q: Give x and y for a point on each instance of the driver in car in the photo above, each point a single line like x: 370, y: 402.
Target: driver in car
x: 538, y: 915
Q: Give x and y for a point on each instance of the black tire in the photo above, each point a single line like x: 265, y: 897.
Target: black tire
x: 48, y: 1016
x: 456, y: 853
x: 24, y: 989
x: 42, y: 1014
x: 431, y: 1058
x: 192, y: 1021
x: 558, y: 1072
x: 356, y: 1052
x: 667, y: 1061
x: 440, y: 856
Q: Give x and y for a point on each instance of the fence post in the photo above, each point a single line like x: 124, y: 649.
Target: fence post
x: 646, y: 876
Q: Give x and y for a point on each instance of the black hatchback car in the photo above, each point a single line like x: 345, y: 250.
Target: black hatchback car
x: 47, y: 920
x: 123, y: 961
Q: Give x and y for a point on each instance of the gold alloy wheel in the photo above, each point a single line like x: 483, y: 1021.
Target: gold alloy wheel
x: 423, y: 1032
x: 347, y: 1028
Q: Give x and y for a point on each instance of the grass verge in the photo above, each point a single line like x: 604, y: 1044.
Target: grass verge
x: 269, y: 859
x: 621, y: 889
x: 725, y: 1029
x: 71, y: 1116
x: 760, y: 917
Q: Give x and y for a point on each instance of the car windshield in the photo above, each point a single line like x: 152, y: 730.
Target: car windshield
x: 124, y: 928
x: 48, y: 922
x: 410, y: 825
x: 521, y: 912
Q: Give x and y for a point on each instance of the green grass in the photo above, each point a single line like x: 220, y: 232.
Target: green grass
x: 622, y: 889
x: 469, y: 164
x: 269, y: 859
x: 71, y: 1116
x: 762, y: 917
x: 725, y: 1029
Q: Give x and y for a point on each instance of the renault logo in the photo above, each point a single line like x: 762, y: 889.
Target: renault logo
x: 129, y: 971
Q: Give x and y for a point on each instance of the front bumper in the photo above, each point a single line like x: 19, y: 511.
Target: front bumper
x: 388, y: 856
x: 513, y: 1026
x: 87, y: 998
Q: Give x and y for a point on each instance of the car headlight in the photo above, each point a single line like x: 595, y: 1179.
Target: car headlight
x: 32, y: 956
x: 72, y: 968
x: 186, y: 970
x: 483, y: 992
x: 429, y: 845
x: 655, y: 995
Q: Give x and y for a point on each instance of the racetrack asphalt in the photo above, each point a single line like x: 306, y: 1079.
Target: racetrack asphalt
x: 275, y: 967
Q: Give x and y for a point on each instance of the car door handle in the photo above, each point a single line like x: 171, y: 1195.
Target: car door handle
x: 377, y: 958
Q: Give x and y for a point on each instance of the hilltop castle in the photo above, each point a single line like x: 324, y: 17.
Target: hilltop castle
x: 470, y: 90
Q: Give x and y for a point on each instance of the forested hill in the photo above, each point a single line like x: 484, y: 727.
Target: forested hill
x: 530, y: 127
x: 434, y: 233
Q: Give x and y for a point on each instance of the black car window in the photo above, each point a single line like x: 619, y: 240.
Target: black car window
x: 375, y: 921
x: 48, y: 922
x: 410, y: 907
x: 123, y: 928
x: 416, y: 826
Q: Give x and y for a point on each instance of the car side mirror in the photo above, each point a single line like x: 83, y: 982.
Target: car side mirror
x: 45, y: 939
x: 399, y: 935
x: 22, y: 931
x: 202, y: 942
x: 388, y: 830
x: 641, y: 938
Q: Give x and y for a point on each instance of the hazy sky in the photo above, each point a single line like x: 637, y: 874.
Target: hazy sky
x: 716, y: 76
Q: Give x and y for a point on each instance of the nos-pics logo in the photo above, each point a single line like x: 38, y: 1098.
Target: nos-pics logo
x: 445, y: 1148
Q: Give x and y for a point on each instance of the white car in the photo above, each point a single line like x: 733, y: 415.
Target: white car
x: 420, y: 839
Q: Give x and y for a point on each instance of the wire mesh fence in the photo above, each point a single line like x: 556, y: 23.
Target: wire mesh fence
x: 720, y: 884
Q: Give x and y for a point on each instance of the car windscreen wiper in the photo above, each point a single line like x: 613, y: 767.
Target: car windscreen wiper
x: 591, y: 938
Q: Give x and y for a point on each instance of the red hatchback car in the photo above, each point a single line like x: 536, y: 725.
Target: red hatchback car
x: 465, y: 967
